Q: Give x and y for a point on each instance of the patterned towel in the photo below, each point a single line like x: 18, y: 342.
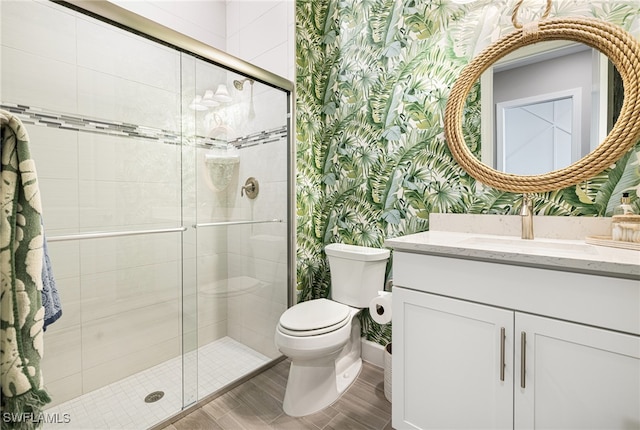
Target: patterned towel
x: 21, y: 258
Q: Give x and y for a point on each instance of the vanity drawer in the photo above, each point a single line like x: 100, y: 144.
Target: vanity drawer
x: 601, y: 301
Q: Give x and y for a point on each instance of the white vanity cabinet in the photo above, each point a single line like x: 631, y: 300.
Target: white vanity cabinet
x: 446, y: 363
x: 572, y: 376
x: 481, y: 344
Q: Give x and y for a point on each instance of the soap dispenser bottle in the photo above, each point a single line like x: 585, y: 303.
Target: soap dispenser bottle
x: 624, y: 208
x: 625, y: 225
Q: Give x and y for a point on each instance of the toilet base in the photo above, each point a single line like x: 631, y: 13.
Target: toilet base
x: 315, y: 384
x: 315, y: 387
x: 346, y: 378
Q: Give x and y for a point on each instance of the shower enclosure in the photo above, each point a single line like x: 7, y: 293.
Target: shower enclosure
x: 172, y: 265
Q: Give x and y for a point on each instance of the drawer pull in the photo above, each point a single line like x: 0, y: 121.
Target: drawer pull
x: 502, y: 363
x: 523, y: 358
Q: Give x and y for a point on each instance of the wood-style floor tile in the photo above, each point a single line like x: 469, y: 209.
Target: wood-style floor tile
x: 269, y: 385
x: 321, y: 418
x: 246, y: 417
x: 370, y: 395
x: 373, y: 375
x: 257, y: 405
x: 285, y: 422
x: 258, y: 401
x: 197, y: 420
x: 221, y: 405
x: 344, y: 422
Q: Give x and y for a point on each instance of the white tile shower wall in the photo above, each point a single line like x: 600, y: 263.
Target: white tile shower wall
x: 124, y: 182
x: 201, y: 20
x: 258, y: 252
x: 39, y: 28
x: 23, y: 81
x: 212, y: 206
x: 150, y: 335
x: 112, y: 51
x: 37, y: 37
x: 268, y: 106
x: 85, y: 79
x: 263, y: 33
x: 112, y: 293
x: 56, y: 154
x: 62, y: 363
x: 111, y: 254
x: 123, y: 77
x: 109, y: 97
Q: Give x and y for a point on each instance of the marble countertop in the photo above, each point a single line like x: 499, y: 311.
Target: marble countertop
x: 556, y: 254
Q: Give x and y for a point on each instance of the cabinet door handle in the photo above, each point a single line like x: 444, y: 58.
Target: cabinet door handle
x: 502, y: 364
x: 523, y: 358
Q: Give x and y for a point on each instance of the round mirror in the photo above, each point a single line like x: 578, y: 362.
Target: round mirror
x: 617, y: 45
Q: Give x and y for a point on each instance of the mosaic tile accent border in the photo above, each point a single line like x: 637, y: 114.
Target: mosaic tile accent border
x: 40, y: 117
x: 261, y: 138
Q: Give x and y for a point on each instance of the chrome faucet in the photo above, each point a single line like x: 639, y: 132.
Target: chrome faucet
x: 526, y: 214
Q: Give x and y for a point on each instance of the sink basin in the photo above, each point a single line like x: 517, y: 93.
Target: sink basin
x: 523, y: 245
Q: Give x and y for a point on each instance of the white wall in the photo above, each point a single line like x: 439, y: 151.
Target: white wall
x: 201, y: 20
x: 261, y: 32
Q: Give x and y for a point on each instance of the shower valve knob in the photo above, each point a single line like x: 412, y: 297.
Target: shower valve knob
x: 251, y: 188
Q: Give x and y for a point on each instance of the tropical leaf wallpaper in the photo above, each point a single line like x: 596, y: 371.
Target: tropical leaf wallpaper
x: 373, y: 77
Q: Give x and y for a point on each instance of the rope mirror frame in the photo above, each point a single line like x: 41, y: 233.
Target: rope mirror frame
x: 618, y: 45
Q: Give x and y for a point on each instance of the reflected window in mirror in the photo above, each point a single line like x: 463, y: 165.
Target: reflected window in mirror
x: 538, y: 134
x: 561, y: 94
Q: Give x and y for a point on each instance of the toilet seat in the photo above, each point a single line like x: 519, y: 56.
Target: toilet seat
x: 314, y: 317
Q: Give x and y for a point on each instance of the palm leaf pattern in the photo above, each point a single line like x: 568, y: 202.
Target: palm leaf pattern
x: 373, y: 77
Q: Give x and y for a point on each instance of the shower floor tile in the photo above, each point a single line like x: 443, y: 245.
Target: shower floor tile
x: 121, y: 405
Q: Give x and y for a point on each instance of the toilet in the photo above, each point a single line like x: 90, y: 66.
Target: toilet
x: 322, y: 336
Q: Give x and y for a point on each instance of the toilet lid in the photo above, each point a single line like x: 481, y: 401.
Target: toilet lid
x: 314, y: 314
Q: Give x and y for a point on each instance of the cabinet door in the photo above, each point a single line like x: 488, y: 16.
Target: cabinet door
x: 575, y: 376
x: 447, y: 356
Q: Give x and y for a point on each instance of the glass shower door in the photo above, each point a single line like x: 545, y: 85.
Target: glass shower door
x: 171, y: 281
x: 237, y: 197
x: 101, y: 106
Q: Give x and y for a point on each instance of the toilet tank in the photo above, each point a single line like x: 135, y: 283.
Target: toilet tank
x: 357, y: 273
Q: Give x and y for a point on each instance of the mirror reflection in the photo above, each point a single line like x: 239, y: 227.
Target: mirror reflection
x: 545, y: 106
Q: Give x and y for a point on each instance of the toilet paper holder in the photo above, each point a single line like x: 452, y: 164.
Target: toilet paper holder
x: 380, y: 307
x: 387, y: 289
